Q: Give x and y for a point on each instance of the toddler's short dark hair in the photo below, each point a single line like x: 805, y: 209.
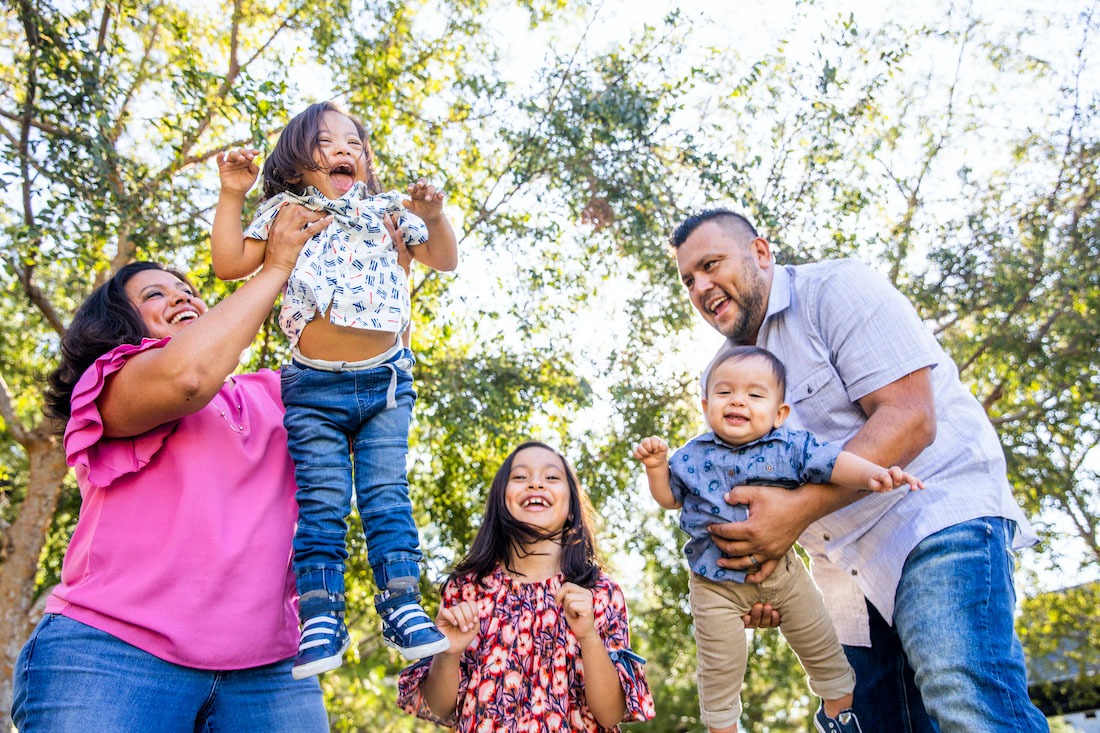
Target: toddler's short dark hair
x: 740, y: 353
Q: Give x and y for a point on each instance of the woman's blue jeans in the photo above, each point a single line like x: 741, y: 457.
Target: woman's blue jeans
x: 952, y: 660
x: 72, y: 678
x: 341, y: 433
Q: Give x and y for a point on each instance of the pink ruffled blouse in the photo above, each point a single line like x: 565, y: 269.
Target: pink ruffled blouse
x: 523, y: 673
x: 183, y: 543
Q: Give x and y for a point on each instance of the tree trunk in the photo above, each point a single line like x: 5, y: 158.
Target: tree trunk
x: 24, y: 542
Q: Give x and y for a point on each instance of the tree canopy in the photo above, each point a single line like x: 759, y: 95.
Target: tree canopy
x: 955, y: 152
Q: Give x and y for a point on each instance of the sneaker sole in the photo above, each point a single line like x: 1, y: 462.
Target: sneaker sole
x: 317, y: 666
x: 419, y: 652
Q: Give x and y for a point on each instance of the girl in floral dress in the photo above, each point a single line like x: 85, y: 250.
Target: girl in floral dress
x: 539, y: 635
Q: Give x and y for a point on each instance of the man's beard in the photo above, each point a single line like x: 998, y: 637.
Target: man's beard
x: 750, y: 314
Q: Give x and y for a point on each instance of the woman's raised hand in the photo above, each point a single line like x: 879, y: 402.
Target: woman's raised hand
x: 292, y: 228
x: 237, y: 170
x: 576, y: 604
x: 461, y: 624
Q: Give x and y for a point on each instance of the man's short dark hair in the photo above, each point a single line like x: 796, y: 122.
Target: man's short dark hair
x: 740, y: 353
x: 734, y: 224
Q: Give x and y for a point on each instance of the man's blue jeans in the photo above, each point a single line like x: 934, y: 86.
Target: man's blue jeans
x: 71, y: 677
x: 952, y: 660
x: 339, y: 428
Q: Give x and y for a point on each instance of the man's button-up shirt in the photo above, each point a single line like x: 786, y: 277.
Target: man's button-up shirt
x: 843, y: 331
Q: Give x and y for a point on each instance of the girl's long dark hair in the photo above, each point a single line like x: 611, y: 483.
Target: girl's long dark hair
x: 501, y: 533
x: 105, y: 320
x: 297, y: 145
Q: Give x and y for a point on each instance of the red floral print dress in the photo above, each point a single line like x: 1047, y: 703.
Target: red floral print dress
x: 523, y: 673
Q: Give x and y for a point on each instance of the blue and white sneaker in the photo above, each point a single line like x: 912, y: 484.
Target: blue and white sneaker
x: 406, y: 627
x: 324, y: 635
x: 844, y: 722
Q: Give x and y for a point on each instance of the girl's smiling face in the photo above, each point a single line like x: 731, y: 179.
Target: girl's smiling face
x: 166, y: 303
x: 339, y: 155
x: 537, y: 492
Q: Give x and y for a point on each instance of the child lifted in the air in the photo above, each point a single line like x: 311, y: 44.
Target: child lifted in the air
x: 348, y: 389
x: 747, y: 444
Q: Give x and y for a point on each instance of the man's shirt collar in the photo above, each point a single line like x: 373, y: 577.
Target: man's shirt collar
x: 779, y: 299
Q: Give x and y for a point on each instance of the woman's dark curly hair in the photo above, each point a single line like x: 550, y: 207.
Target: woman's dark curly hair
x: 500, y: 533
x: 105, y: 320
x: 297, y: 146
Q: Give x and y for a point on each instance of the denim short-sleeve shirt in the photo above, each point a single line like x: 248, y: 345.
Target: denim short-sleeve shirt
x: 706, y: 468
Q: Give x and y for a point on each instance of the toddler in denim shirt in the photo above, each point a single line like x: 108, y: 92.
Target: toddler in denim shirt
x: 748, y: 444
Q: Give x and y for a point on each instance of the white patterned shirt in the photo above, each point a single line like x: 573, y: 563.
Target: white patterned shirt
x: 351, y: 265
x: 843, y: 332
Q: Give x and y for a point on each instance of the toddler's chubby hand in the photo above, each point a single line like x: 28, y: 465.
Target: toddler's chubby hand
x: 425, y: 200
x: 461, y: 624
x: 891, y: 478
x: 652, y: 452
x: 237, y: 170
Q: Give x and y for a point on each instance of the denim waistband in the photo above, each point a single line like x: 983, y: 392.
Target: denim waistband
x: 389, y: 360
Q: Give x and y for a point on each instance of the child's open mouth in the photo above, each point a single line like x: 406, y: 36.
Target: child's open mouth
x: 342, y: 177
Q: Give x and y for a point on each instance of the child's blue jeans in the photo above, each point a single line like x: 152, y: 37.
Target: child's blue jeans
x: 351, y: 423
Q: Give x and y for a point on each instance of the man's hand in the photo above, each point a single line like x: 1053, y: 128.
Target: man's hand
x: 424, y: 200
x: 237, y: 170
x: 777, y: 517
x: 761, y: 616
x: 652, y: 452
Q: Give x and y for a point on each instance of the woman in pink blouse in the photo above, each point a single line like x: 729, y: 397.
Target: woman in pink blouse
x: 175, y: 610
x: 539, y: 634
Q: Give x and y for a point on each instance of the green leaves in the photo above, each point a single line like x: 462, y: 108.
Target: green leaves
x: 940, y: 150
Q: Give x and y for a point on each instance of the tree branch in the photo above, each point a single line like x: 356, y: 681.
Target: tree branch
x: 7, y: 411
x: 36, y: 296
x: 234, y: 70
x: 49, y: 128
x: 140, y: 75
x: 271, y: 39
x: 905, y: 228
x: 104, y: 23
x: 208, y: 154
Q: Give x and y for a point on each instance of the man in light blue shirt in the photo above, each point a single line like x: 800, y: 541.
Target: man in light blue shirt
x: 933, y: 644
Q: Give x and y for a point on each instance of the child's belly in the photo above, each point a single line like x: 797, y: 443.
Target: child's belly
x: 321, y: 339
